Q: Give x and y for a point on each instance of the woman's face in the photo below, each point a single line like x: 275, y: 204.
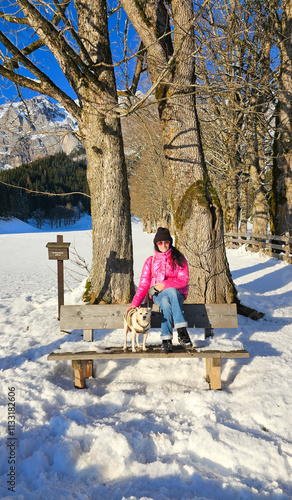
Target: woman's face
x: 163, y: 246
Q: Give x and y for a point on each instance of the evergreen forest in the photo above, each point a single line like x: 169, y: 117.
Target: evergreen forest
x: 54, y: 175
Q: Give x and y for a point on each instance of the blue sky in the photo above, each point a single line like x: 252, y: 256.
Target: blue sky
x: 48, y: 64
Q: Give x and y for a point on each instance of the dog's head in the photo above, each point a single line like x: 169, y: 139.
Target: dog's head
x: 143, y: 315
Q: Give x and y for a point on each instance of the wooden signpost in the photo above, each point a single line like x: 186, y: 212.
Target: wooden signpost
x: 59, y: 251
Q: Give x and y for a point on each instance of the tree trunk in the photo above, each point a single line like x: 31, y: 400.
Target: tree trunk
x: 198, y: 214
x: 260, y: 204
x: 111, y: 276
x: 232, y: 198
x: 244, y: 200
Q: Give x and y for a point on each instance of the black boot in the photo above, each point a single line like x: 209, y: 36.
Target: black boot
x: 184, y: 338
x: 166, y: 346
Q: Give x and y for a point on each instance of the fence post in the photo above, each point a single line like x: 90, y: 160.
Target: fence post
x: 269, y: 245
x: 287, y: 248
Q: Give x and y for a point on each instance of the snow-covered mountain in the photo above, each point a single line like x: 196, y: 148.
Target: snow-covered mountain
x: 33, y: 129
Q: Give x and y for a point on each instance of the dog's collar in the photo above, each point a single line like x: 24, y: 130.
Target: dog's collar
x: 143, y: 328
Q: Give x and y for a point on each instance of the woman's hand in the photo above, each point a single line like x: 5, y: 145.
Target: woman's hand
x: 159, y: 286
x: 131, y: 307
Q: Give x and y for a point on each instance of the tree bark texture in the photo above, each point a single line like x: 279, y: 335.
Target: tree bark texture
x: 111, y: 275
x: 260, y: 204
x: 244, y: 202
x: 260, y: 209
x: 198, y: 214
x: 232, y: 190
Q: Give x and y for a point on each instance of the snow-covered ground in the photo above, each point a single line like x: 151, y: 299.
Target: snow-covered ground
x: 143, y: 429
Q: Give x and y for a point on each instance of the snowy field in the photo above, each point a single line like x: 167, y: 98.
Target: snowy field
x: 146, y: 429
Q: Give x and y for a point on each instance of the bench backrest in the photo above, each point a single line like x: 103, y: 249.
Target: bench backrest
x: 205, y: 316
x: 111, y: 316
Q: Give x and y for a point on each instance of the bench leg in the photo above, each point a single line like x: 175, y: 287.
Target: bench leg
x: 80, y: 380
x: 213, y: 372
x: 89, y: 368
x: 209, y: 332
x: 88, y: 335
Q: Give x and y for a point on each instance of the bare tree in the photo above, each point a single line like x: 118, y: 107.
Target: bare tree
x: 235, y: 106
x: 281, y: 198
x: 149, y: 186
x: 79, y: 41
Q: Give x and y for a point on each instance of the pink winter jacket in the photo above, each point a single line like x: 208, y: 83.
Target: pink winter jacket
x: 159, y: 270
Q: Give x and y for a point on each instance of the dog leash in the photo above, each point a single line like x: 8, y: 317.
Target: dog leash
x: 151, y: 269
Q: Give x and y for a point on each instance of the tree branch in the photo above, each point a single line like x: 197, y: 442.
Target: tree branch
x: 70, y: 62
x: 61, y: 15
x: 46, y: 87
x: 148, y: 34
x: 138, y: 69
x: 39, y: 43
x: 13, y: 19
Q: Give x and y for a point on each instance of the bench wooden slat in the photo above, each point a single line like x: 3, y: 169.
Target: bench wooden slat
x: 117, y: 353
x: 92, y: 317
x: 111, y: 316
x: 205, y: 316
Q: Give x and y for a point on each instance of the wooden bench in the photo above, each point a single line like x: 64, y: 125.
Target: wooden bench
x: 88, y: 318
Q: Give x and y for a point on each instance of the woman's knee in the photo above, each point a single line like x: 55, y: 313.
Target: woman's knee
x: 165, y: 302
x: 172, y: 292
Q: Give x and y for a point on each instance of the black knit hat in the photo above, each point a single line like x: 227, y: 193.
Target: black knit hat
x: 162, y: 234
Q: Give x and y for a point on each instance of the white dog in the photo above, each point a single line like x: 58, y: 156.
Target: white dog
x: 137, y: 321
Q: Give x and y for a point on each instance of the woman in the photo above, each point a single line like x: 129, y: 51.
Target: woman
x: 168, y: 275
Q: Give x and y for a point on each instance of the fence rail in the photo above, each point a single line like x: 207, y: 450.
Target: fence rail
x: 279, y: 247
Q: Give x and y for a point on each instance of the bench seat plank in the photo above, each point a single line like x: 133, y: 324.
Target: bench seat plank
x: 152, y: 352
x: 82, y: 362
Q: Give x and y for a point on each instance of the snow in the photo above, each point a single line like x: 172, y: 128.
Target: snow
x: 143, y: 429
x: 15, y: 226
x: 44, y: 106
x: 6, y: 166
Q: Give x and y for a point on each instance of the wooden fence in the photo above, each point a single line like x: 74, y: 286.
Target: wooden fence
x: 279, y: 247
